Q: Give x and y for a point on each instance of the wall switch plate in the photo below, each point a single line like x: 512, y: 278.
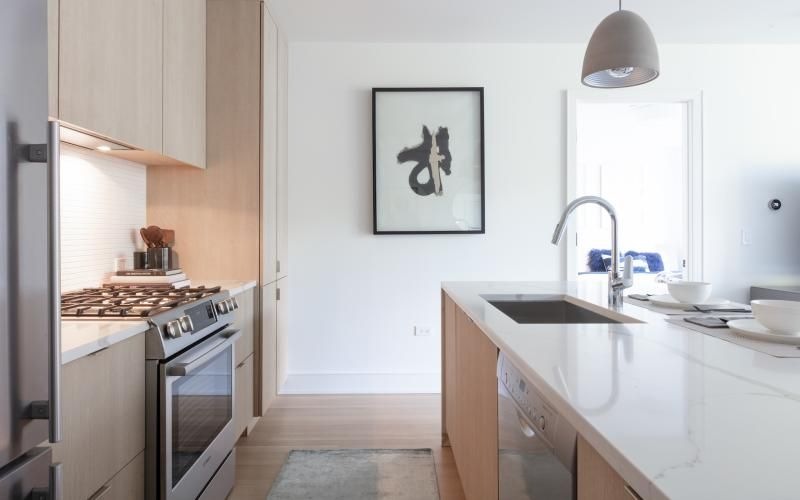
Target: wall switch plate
x: 422, y: 331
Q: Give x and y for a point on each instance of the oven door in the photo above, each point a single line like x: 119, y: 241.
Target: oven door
x: 528, y: 466
x: 196, y: 430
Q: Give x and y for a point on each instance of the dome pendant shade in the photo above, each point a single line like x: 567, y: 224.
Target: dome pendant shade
x: 621, y: 53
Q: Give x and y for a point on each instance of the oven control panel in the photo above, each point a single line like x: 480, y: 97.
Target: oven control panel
x: 528, y: 400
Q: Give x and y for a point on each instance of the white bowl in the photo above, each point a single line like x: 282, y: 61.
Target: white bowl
x: 780, y: 316
x: 690, y: 292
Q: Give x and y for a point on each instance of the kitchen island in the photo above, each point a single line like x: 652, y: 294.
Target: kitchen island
x: 675, y: 413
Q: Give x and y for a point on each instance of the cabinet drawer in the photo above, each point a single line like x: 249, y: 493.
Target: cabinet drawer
x: 103, y: 398
x: 128, y: 484
x: 244, y: 320
x: 244, y: 395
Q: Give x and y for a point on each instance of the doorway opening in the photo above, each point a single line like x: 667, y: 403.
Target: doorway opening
x: 643, y: 156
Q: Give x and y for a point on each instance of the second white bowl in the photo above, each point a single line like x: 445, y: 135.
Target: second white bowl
x: 780, y: 316
x: 690, y: 292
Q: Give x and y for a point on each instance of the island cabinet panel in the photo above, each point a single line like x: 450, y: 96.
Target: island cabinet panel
x: 103, y: 398
x: 471, y: 403
x: 110, y: 68
x: 597, y: 480
x: 449, y: 379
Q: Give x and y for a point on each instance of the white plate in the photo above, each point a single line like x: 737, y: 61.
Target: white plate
x: 751, y: 328
x: 669, y: 301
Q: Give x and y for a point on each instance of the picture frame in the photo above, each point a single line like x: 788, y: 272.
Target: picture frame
x: 428, y: 160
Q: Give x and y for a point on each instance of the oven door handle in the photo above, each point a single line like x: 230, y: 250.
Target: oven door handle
x: 225, y: 339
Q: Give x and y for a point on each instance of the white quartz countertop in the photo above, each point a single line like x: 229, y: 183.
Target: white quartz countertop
x: 234, y: 287
x: 677, y: 413
x: 80, y: 338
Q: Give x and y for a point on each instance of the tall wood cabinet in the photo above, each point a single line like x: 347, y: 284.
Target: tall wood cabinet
x: 226, y: 216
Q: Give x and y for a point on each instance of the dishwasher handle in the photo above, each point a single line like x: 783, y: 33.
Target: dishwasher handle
x: 524, y: 426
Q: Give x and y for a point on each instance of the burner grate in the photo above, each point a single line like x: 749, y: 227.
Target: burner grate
x: 129, y: 301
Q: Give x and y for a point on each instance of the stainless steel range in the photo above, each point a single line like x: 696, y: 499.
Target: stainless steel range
x: 190, y: 382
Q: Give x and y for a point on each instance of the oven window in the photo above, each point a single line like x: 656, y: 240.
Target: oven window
x: 202, y: 404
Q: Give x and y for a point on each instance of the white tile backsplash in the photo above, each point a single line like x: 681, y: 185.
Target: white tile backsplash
x: 103, y: 205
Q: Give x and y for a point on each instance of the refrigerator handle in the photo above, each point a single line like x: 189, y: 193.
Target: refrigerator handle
x: 54, y: 277
x: 56, y: 482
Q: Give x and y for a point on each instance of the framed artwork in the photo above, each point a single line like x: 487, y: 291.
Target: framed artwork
x: 428, y: 161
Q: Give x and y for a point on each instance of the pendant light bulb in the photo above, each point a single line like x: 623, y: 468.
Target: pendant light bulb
x: 621, y: 53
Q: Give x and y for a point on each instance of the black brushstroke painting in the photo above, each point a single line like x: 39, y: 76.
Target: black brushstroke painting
x: 433, y: 154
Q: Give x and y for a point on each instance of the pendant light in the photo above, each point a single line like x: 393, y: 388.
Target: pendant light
x: 621, y: 53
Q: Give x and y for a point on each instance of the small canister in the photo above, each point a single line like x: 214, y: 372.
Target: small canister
x: 140, y: 260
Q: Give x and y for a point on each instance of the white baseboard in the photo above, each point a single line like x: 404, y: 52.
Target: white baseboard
x: 362, y: 383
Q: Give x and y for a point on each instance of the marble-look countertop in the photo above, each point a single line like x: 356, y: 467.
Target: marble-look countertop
x: 677, y: 413
x: 234, y: 287
x: 80, y: 338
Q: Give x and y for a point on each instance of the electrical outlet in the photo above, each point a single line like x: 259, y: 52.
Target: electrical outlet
x: 747, y: 239
x: 422, y: 331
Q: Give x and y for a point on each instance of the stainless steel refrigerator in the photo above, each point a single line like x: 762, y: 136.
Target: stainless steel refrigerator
x: 30, y: 347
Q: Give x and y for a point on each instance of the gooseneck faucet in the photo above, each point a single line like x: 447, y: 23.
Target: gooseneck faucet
x: 616, y: 283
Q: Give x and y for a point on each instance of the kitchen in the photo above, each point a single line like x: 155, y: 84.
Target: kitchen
x: 236, y: 132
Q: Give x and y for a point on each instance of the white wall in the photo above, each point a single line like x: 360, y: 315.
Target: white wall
x: 356, y: 297
x: 103, y: 205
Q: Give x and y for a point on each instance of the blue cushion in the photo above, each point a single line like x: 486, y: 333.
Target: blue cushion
x: 596, y: 265
x: 654, y: 260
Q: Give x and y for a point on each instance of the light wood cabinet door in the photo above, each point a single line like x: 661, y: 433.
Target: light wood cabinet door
x: 244, y: 395
x: 103, y: 398
x: 475, y: 420
x: 128, y: 484
x: 269, y: 154
x: 244, y: 320
x: 185, y: 81
x: 269, y: 346
x: 283, y: 294
x: 449, y: 370
x: 597, y: 480
x: 110, y: 68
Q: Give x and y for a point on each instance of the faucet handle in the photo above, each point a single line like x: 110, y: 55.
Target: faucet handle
x: 627, y: 272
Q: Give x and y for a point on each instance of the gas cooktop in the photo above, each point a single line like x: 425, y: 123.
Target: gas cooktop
x: 129, y: 301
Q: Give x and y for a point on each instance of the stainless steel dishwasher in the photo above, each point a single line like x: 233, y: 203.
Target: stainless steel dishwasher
x: 537, y: 447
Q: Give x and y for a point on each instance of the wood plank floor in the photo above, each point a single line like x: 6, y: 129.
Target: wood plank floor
x: 329, y: 422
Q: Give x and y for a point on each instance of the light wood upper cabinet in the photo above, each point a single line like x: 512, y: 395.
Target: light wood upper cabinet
x: 185, y: 81
x: 110, y: 69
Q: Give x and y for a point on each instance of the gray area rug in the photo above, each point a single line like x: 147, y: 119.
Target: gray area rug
x: 356, y: 475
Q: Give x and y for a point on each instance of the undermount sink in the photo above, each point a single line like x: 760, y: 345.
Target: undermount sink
x: 550, y: 310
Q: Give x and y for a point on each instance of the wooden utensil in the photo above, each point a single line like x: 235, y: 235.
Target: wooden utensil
x: 143, y: 234
x: 153, y: 236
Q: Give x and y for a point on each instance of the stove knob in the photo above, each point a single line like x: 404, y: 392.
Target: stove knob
x: 235, y: 303
x: 222, y: 307
x: 186, y: 324
x: 173, y: 329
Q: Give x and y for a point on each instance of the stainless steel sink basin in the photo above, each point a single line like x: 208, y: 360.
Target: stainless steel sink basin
x: 550, y: 310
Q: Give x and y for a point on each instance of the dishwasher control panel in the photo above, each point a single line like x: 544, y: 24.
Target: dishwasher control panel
x: 528, y: 400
